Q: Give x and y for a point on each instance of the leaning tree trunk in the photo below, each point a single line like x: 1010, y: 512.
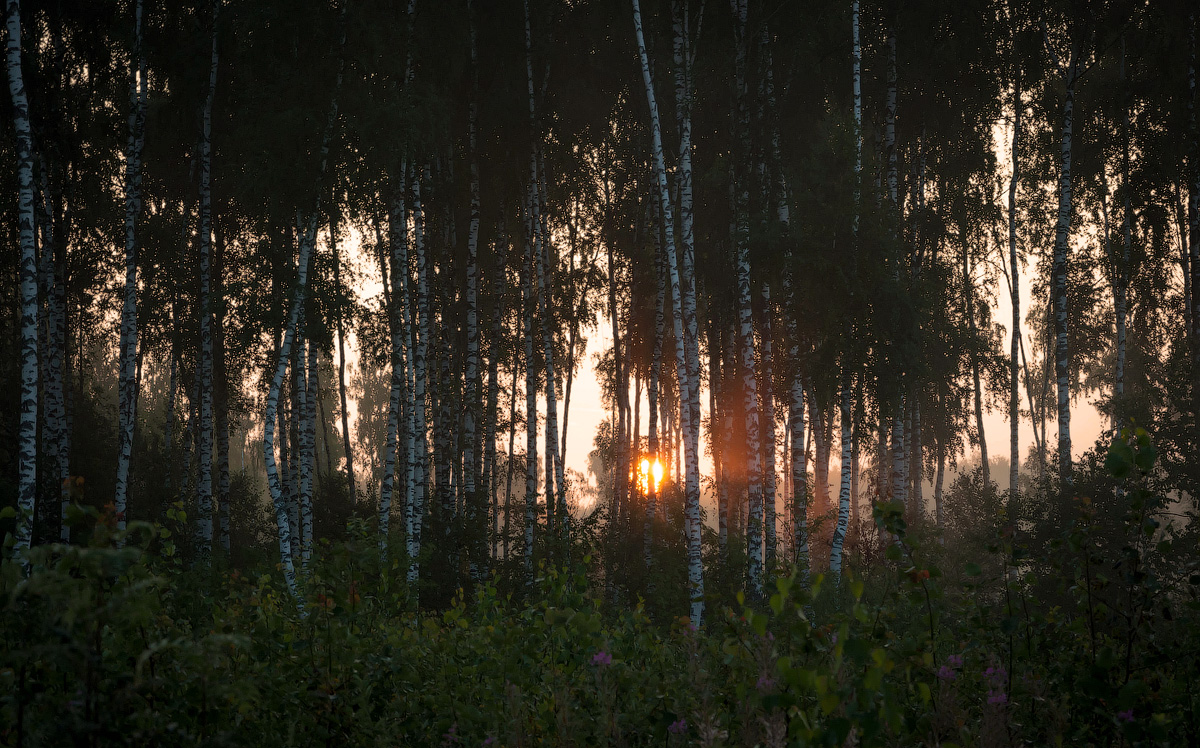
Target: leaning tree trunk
x: 204, y: 508
x: 692, y: 498
x: 307, y: 245
x: 127, y: 394
x: 27, y: 434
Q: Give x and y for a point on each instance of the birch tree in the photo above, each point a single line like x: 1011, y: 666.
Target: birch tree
x: 692, y: 501
x: 204, y: 507
x: 127, y: 397
x: 27, y: 432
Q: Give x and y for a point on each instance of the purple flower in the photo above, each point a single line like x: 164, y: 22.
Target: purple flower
x: 945, y: 672
x: 955, y: 660
x: 764, y: 683
x: 1125, y: 716
x: 451, y: 735
x: 678, y: 727
x: 601, y: 658
x: 996, y: 675
x: 997, y: 698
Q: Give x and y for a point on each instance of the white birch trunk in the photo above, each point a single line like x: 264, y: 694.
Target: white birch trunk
x: 304, y: 497
x: 307, y: 245
x: 387, y: 482
x: 310, y: 423
x: 420, y: 459
x: 546, y: 269
x: 531, y: 416
x: 127, y: 395
x: 1059, y: 277
x: 652, y: 390
x: 204, y: 507
x: 55, y: 431
x: 768, y: 432
x: 843, y: 515
x: 27, y: 434
x: 692, y: 497
x: 476, y: 513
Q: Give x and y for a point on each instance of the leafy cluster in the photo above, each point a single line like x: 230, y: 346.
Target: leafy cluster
x: 1090, y: 642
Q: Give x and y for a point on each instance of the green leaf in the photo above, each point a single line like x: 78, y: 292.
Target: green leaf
x: 973, y: 569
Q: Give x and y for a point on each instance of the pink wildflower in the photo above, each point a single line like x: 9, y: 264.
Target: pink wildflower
x: 601, y: 658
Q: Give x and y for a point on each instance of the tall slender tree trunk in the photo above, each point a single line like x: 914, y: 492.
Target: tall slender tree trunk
x: 843, y: 515
x: 768, y: 431
x: 531, y: 414
x: 684, y: 54
x: 204, y: 519
x: 1014, y: 394
x: 495, y: 348
x: 307, y: 246
x: 754, y: 529
x: 691, y: 466
x: 512, y: 437
x: 337, y: 289
x: 653, y: 388
x: 969, y: 305
x: 221, y: 385
x: 391, y: 278
x: 27, y: 434
x: 476, y: 513
x: 127, y: 396
x: 1194, y: 213
x: 420, y: 461
x: 1058, y: 275
x: 1121, y: 291
x: 55, y: 436
x: 300, y: 420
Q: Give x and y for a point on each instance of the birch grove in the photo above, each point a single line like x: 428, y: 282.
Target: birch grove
x: 752, y: 332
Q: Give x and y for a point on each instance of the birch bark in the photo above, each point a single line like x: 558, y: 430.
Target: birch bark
x: 692, y: 497
x: 204, y: 519
x: 420, y: 386
x: 127, y: 395
x: 843, y: 515
x: 1058, y: 274
x: 27, y: 434
x: 307, y: 244
x: 471, y: 376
